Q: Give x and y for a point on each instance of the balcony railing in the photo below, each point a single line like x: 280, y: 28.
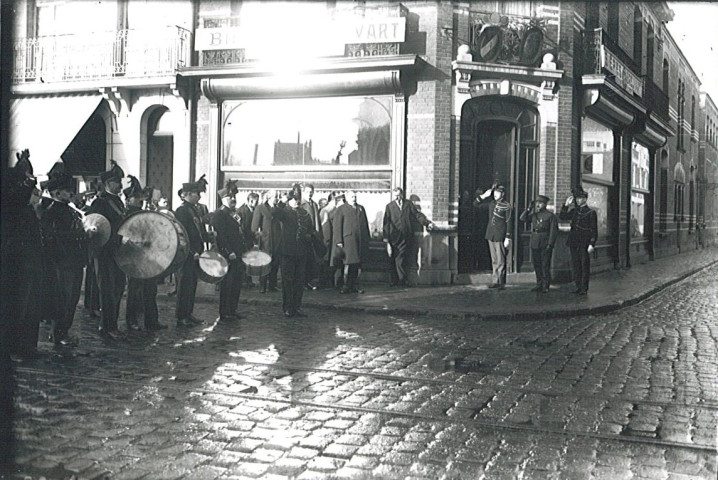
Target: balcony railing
x: 602, y: 54
x: 655, y: 98
x: 104, y: 55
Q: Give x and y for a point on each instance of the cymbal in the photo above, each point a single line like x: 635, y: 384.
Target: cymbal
x: 102, y: 227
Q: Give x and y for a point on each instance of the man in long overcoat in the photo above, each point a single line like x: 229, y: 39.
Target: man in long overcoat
x: 351, y: 240
x: 268, y: 229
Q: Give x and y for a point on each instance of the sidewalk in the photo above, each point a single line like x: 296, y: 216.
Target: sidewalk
x: 608, y: 291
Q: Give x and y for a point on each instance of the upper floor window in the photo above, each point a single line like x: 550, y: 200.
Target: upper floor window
x: 650, y: 49
x: 64, y: 18
x: 613, y: 14
x: 681, y: 102
x: 693, y: 114
x: 592, y: 9
x: 665, y: 75
x: 637, y: 35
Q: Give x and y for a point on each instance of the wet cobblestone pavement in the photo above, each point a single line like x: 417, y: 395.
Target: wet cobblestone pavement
x: 631, y: 394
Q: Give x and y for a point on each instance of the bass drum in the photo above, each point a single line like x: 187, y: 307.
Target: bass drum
x: 212, y: 267
x: 155, y: 245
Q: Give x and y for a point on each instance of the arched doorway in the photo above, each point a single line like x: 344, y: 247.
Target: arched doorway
x: 499, y: 143
x: 160, y: 148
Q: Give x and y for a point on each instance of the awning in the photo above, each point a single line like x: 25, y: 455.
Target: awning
x: 46, y: 125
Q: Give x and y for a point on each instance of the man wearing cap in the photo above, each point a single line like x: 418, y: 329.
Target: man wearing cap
x: 231, y: 244
x: 351, y: 239
x: 401, y: 220
x: 267, y: 229
x: 110, y: 279
x: 544, y: 230
x: 582, y: 236
x: 498, y: 231
x: 294, y: 246
x: 141, y: 293
x: 189, y: 217
x: 66, y: 244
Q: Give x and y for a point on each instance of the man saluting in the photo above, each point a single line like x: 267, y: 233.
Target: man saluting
x: 544, y: 230
x: 582, y: 237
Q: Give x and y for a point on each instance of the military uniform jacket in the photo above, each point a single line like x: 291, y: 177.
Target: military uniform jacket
x: 296, y: 230
x: 188, y: 216
x: 111, y: 207
x: 544, y: 228
x: 400, y: 223
x: 268, y: 228
x: 584, y: 225
x: 230, y: 238
x: 500, y: 226
x: 63, y: 234
x: 351, y: 228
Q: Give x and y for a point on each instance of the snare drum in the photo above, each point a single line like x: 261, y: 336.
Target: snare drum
x: 257, y: 262
x: 212, y: 267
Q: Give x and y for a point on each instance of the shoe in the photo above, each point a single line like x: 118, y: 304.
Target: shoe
x: 227, y: 318
x: 288, y: 314
x: 576, y: 291
x: 358, y: 290
x: 185, y: 322
x: 537, y: 288
x: 272, y: 289
x: 67, y: 342
x: 301, y: 314
x: 582, y: 292
x: 545, y: 290
x: 494, y: 285
x: 310, y: 286
x: 195, y: 320
x: 263, y: 290
x: 155, y: 326
x: 110, y: 334
x: 345, y: 290
x: 135, y: 327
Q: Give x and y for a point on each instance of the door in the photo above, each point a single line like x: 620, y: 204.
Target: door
x: 160, y: 155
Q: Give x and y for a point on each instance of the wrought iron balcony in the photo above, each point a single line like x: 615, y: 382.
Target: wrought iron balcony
x: 655, y: 98
x: 603, y: 55
x: 102, y: 56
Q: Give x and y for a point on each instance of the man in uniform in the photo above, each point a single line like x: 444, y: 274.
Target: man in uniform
x: 351, y: 240
x: 110, y: 279
x: 544, y: 230
x: 267, y: 228
x: 189, y: 217
x: 66, y: 242
x: 401, y: 220
x: 141, y: 293
x: 294, y: 246
x: 231, y: 244
x: 498, y: 232
x: 246, y: 213
x: 582, y: 236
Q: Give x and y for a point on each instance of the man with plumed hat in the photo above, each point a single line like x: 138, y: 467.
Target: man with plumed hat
x: 21, y: 261
x: 188, y: 215
x: 231, y: 245
x: 141, y: 292
x: 110, y: 279
x: 65, y: 241
x: 544, y: 230
x: 582, y: 236
x: 498, y: 231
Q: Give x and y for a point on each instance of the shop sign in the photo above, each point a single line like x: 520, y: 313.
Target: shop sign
x: 219, y: 38
x: 374, y: 30
x: 624, y: 77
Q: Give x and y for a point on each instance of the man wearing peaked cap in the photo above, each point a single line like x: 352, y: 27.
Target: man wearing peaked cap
x: 110, y: 279
x: 190, y: 219
x: 582, y: 236
x: 231, y: 244
x: 544, y: 230
x: 499, y: 230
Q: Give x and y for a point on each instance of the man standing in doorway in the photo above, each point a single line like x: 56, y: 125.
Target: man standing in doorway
x: 582, y: 237
x: 401, y: 220
x: 544, y: 230
x: 498, y: 232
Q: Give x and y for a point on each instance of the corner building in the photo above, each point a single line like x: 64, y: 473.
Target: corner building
x: 439, y: 98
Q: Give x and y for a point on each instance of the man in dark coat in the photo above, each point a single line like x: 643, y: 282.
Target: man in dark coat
x: 110, y: 279
x: 189, y: 217
x: 544, y: 230
x: 66, y: 243
x: 267, y: 228
x: 334, y: 258
x: 246, y: 213
x: 312, y: 209
x: 498, y: 231
x: 351, y: 240
x: 401, y: 220
x: 231, y: 243
x: 22, y: 269
x: 582, y: 236
x: 141, y: 293
x: 295, y: 245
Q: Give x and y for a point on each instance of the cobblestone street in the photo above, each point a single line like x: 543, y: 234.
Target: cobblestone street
x: 631, y: 394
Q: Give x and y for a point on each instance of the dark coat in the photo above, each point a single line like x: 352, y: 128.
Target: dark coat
x: 544, y: 228
x: 500, y: 222
x: 296, y: 230
x: 245, y: 214
x: 63, y: 234
x: 230, y: 238
x: 351, y: 228
x: 312, y: 209
x: 268, y: 227
x: 111, y: 207
x: 584, y: 225
x: 188, y: 216
x: 401, y: 223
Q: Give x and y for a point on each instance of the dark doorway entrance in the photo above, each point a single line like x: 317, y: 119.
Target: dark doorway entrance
x: 499, y: 144
x: 160, y: 148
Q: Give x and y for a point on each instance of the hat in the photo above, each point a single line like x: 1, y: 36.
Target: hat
x: 191, y: 187
x: 135, y: 188
x: 202, y: 183
x: 500, y: 188
x: 579, y: 192
x: 23, y: 162
x: 229, y: 190
x: 61, y: 181
x: 542, y: 198
x: 114, y: 173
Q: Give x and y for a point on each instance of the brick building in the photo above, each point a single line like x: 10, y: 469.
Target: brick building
x: 440, y: 98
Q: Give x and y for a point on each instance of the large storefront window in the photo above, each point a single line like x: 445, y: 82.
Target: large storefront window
x: 597, y: 170
x: 639, y: 189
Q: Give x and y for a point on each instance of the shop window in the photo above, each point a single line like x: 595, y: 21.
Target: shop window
x: 678, y: 191
x: 640, y: 161
x: 596, y: 150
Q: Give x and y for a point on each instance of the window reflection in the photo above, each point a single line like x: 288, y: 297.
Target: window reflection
x: 596, y: 150
x: 338, y: 131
